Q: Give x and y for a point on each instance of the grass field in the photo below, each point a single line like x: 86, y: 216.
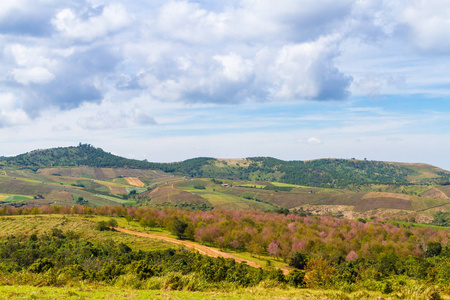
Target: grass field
x: 39, y: 224
x: 86, y: 291
x: 264, y: 291
x: 17, y: 198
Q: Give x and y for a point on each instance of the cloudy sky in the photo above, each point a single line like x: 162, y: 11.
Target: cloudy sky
x: 171, y: 80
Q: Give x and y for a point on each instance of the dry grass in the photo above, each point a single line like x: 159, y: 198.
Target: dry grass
x: 135, y: 181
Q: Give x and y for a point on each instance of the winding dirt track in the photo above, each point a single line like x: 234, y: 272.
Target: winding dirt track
x: 194, y: 246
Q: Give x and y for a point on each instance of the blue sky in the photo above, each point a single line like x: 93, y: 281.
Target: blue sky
x: 171, y: 80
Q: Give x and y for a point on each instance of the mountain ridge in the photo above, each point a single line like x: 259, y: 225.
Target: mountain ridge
x: 329, y: 172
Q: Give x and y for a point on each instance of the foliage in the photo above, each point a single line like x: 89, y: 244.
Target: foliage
x: 297, y: 260
x: 337, y: 173
x: 179, y: 228
x: 442, y: 219
x: 386, y: 258
x: 319, y: 273
x: 77, y: 259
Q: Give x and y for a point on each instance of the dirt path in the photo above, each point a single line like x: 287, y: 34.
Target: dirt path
x: 213, y: 252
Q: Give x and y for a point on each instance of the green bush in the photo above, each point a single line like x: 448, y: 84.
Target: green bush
x: 296, y: 278
x: 297, y: 260
x: 41, y: 265
x: 75, y: 272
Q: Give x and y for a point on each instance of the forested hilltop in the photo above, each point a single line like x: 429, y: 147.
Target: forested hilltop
x: 335, y: 173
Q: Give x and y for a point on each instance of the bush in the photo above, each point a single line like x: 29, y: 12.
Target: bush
x: 296, y: 278
x: 75, y: 272
x: 101, y: 226
x: 318, y: 273
x: 112, y: 223
x: 297, y: 260
x: 141, y: 269
x: 41, y: 265
x: 110, y: 271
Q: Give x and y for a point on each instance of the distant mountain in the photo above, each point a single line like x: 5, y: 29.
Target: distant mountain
x: 336, y: 173
x: 82, y: 155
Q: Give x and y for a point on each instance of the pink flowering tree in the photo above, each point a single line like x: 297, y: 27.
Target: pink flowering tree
x: 274, y: 249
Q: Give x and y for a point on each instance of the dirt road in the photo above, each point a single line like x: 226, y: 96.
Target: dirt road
x: 213, y: 252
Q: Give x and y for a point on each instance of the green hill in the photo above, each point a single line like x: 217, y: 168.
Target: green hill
x: 332, y: 173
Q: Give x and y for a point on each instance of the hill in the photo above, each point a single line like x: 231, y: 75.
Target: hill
x: 332, y: 173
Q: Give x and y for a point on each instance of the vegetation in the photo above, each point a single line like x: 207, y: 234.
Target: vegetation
x: 336, y: 173
x: 260, y: 209
x: 65, y: 258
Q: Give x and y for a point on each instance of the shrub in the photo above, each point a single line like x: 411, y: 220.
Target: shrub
x: 297, y: 260
x: 112, y: 223
x: 110, y: 271
x: 141, y: 269
x: 318, y: 273
x: 41, y: 265
x: 75, y: 272
x: 101, y: 226
x: 296, y: 278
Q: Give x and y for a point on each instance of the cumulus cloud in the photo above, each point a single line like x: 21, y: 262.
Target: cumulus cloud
x: 34, y: 75
x: 25, y: 18
x: 203, y: 51
x: 307, y: 71
x: 10, y: 114
x: 112, y: 18
x: 428, y: 24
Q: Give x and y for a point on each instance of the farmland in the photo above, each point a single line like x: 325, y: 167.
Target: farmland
x: 120, y: 186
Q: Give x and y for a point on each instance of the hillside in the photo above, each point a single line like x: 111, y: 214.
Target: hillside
x: 331, y: 173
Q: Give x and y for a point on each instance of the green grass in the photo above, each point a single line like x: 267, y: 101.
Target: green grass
x: 17, y: 198
x: 231, y: 202
x: 40, y: 224
x: 118, y: 200
x: 251, y: 185
x: 262, y: 259
x: 419, y: 203
x: 264, y: 291
x: 284, y: 184
x: 138, y: 190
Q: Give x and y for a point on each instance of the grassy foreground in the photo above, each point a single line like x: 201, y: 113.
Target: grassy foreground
x: 107, y: 292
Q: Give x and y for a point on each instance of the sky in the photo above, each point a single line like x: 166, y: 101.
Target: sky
x: 171, y: 80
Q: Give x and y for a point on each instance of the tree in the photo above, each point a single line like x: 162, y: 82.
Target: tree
x: 178, y: 228
x: 274, y: 249
x: 112, y: 223
x: 297, y: 260
x: 433, y: 249
x: 319, y: 273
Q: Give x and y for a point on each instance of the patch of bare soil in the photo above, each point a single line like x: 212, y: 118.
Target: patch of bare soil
x: 135, y: 181
x: 60, y: 195
x: 117, y: 190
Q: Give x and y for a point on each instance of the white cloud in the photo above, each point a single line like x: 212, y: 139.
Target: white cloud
x: 7, y: 6
x: 30, y: 56
x: 34, y: 75
x: 188, y: 22
x: 10, y: 114
x: 314, y: 141
x: 235, y: 68
x: 113, y: 18
x: 429, y: 24
x: 307, y: 71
